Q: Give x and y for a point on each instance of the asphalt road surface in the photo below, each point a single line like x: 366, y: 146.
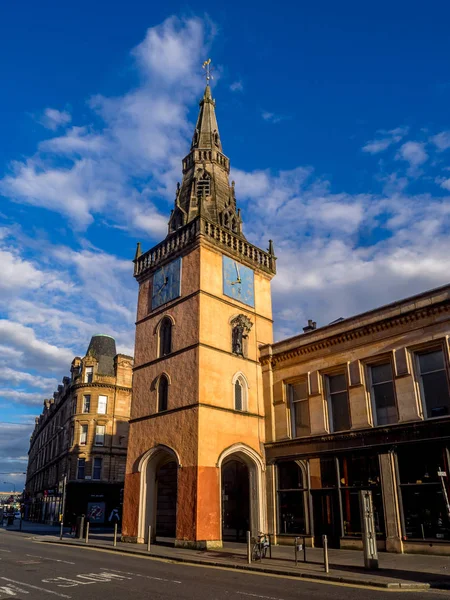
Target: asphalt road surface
x: 31, y: 570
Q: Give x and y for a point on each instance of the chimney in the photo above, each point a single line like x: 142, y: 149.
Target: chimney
x: 310, y: 327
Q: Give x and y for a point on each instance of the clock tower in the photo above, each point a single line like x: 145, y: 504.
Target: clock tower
x: 195, y: 467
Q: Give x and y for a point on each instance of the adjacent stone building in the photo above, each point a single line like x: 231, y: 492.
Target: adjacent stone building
x: 230, y: 432
x: 363, y: 403
x: 81, y: 437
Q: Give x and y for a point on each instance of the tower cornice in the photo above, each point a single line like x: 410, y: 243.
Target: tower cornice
x: 187, y: 236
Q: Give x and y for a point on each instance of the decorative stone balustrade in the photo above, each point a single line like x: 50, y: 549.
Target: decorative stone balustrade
x: 221, y: 236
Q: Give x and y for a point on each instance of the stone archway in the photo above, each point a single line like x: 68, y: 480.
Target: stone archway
x: 158, y: 498
x: 242, y: 467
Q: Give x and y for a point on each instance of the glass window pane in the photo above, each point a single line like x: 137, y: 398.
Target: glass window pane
x: 291, y: 512
x: 385, y: 407
x: 299, y: 391
x: 425, y: 513
x: 289, y: 476
x: 340, y: 411
x: 431, y: 361
x: 435, y: 388
x: 419, y: 463
x: 301, y: 418
x: 237, y: 396
x: 102, y: 403
x: 337, y: 383
x: 163, y: 389
x: 359, y: 470
x: 381, y: 373
x: 323, y: 473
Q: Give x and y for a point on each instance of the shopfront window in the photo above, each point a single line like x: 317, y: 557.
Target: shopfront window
x: 424, y: 490
x: 360, y: 472
x: 323, y: 473
x: 291, y: 496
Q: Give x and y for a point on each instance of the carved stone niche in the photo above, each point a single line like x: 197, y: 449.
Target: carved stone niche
x: 240, y: 328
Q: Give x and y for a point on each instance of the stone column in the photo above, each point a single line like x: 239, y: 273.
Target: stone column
x: 391, y: 504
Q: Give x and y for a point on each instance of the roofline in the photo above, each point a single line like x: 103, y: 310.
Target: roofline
x: 349, y: 320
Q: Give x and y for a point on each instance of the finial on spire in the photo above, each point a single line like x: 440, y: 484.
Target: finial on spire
x: 207, y: 66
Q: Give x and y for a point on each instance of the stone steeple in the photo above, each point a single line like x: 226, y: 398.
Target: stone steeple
x: 205, y: 189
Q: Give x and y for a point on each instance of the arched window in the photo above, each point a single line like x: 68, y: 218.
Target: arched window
x: 163, y: 393
x: 240, y: 390
x: 238, y: 395
x: 165, y: 337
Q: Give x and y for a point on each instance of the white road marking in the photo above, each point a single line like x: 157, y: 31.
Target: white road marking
x: 4, y: 550
x: 36, y: 587
x: 10, y: 590
x: 67, y: 562
x: 146, y: 576
x: 258, y: 596
x: 85, y: 579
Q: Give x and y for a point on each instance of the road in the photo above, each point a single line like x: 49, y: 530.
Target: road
x: 31, y: 570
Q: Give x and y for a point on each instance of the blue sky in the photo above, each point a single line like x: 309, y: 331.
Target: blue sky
x: 334, y: 116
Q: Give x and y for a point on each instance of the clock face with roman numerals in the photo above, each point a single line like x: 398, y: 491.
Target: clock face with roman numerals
x: 166, y: 283
x: 238, y: 281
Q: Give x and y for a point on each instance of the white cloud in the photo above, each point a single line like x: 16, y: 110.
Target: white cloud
x: 22, y: 397
x: 13, y: 377
x: 387, y: 138
x: 36, y: 353
x: 414, y: 153
x: 53, y: 118
x: 237, y: 86
x: 271, y: 117
x: 441, y: 140
x: 124, y: 166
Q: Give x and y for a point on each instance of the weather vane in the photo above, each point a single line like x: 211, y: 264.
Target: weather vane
x: 207, y: 66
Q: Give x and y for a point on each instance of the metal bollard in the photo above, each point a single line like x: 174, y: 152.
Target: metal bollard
x: 249, y: 548
x: 115, y: 534
x: 61, y: 530
x: 295, y: 550
x: 149, y: 539
x: 304, y: 549
x: 325, y: 554
x: 270, y: 544
x: 87, y: 532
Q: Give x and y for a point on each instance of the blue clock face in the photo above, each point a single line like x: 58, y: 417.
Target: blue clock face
x: 238, y: 281
x: 166, y: 283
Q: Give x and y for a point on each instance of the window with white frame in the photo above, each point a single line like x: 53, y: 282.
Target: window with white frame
x: 88, y: 374
x: 102, y: 405
x: 299, y: 406
x: 100, y: 435
x: 338, y: 408
x: 384, y: 408
x: 86, y: 403
x: 434, y: 384
x: 97, y: 470
x: 83, y: 435
x: 240, y: 390
x: 81, y: 467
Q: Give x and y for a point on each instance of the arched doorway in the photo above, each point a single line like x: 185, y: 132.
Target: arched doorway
x: 235, y: 500
x: 158, y: 499
x: 242, y: 492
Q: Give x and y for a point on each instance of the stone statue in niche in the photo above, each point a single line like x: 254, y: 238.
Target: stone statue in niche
x: 195, y: 138
x: 216, y: 137
x: 241, y: 326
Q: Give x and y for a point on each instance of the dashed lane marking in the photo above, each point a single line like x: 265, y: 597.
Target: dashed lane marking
x: 35, y: 587
x: 67, y: 562
x: 1, y: 550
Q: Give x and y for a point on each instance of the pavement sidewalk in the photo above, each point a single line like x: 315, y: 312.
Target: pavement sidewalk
x: 397, y: 571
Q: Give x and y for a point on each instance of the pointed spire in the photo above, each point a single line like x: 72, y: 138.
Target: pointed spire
x: 206, y: 135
